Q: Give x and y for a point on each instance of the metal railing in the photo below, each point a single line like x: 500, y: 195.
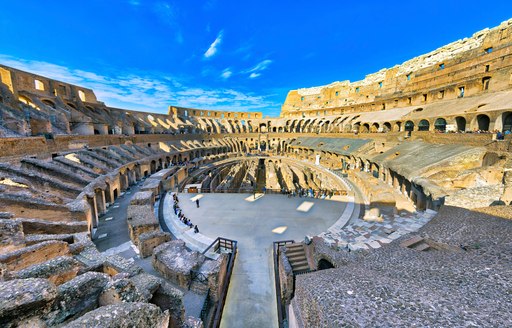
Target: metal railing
x: 219, y: 245
x: 281, y: 310
x: 206, y: 306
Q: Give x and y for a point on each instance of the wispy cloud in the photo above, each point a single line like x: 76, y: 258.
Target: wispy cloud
x: 256, y: 70
x: 226, y: 74
x: 214, y: 47
x: 152, y: 92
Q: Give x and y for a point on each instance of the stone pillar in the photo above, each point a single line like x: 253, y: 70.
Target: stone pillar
x: 100, y: 201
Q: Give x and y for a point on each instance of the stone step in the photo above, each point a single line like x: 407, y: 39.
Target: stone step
x: 409, y: 243
x: 300, y: 268
x: 295, y: 256
x: 299, y: 263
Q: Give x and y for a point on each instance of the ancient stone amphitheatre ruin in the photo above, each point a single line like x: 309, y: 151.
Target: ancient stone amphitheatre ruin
x: 381, y: 202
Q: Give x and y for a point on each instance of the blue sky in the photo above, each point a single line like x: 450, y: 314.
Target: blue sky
x: 224, y: 54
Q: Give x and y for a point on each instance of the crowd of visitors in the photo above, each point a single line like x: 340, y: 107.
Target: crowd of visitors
x: 181, y: 216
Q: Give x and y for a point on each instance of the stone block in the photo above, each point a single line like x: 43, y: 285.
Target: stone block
x: 11, y: 235
x: 77, y: 296
x: 143, y: 198
x: 149, y: 240
x: 57, y: 270
x: 115, y: 264
x: 141, y: 219
x: 146, y: 284
x: 174, y: 261
x: 140, y: 315
x: 35, y: 254
x: 119, y: 291
x: 25, y: 298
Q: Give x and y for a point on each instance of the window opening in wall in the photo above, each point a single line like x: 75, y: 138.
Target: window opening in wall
x: 461, y: 92
x: 441, y: 94
x: 209, y: 114
x: 487, y: 67
x: 485, y: 83
x: 383, y: 106
x: 337, y: 93
x: 424, y: 97
x: 380, y: 84
x: 301, y: 98
x: 488, y: 50
x: 408, y: 77
x: 357, y: 89
x: 396, y: 102
x: 81, y: 95
x: 39, y: 85
x: 409, y: 100
x: 441, y: 66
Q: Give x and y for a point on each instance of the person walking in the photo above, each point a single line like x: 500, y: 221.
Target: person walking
x: 197, y: 202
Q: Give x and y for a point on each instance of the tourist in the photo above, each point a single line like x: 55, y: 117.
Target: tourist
x: 196, y: 229
x: 197, y: 202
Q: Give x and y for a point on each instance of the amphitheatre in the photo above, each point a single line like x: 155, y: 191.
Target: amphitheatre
x: 376, y: 203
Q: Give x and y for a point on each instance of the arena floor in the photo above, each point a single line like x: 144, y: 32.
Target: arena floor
x: 255, y: 224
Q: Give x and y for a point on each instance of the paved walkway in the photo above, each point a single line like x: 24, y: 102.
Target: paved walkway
x: 255, y: 225
x: 112, y: 237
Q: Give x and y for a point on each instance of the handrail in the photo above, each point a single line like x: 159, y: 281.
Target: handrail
x: 229, y: 271
x: 281, y: 311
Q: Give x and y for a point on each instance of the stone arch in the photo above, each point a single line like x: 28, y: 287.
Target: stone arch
x: 365, y: 128
x: 507, y: 121
x: 440, y: 124
x: 386, y: 127
x: 324, y: 264
x: 49, y: 103
x: 461, y: 123
x: 424, y: 125
x: 375, y: 127
x: 409, y: 126
x: 483, y: 121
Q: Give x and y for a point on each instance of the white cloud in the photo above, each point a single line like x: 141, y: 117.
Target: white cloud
x: 214, y: 46
x: 256, y: 70
x: 151, y: 92
x: 261, y: 66
x: 226, y: 74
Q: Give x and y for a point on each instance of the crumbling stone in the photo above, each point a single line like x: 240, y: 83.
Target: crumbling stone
x: 77, y: 297
x: 57, y: 270
x: 140, y: 315
x: 24, y: 298
x: 149, y: 240
x: 118, y: 291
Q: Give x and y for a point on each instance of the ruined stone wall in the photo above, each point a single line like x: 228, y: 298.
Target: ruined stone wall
x: 436, y: 75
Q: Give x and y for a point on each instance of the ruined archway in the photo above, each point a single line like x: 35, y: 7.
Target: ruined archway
x: 483, y: 122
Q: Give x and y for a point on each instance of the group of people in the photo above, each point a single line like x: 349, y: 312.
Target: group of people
x: 501, y: 135
x: 301, y: 192
x: 181, y: 216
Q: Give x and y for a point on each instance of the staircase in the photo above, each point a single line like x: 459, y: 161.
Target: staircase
x: 297, y: 257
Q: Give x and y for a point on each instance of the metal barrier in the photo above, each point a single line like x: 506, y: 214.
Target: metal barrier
x: 281, y: 310
x: 223, y: 244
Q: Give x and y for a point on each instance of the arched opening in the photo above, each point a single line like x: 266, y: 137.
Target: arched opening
x: 365, y: 128
x: 263, y: 128
x: 397, y: 127
x: 461, y: 123
x: 409, y: 126
x: 49, y: 103
x: 386, y: 127
x: 507, y: 122
x: 323, y: 264
x: 375, y: 127
x: 423, y: 125
x: 483, y: 122
x: 440, y: 124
